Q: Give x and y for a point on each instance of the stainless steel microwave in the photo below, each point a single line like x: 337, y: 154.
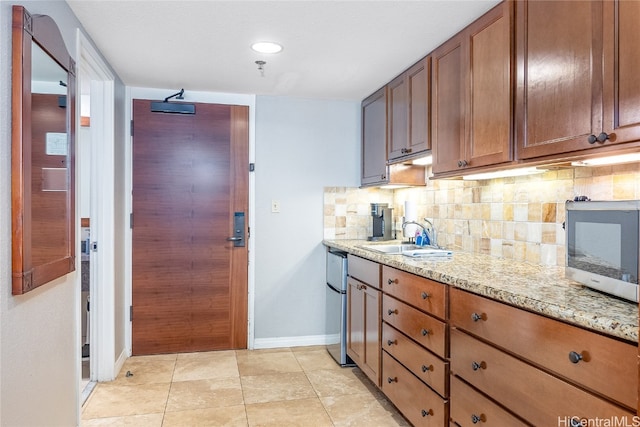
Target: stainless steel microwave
x: 602, y: 245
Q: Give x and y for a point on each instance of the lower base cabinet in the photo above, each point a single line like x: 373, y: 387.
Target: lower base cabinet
x: 469, y: 408
x: 417, y: 402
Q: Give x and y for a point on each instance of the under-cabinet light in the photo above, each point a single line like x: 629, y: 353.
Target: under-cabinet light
x: 503, y: 174
x: 423, y: 161
x: 611, y: 160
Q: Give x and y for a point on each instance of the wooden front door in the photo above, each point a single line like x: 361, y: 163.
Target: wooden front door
x: 190, y: 180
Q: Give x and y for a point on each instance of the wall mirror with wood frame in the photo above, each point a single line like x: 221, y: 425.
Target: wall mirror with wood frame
x: 42, y: 153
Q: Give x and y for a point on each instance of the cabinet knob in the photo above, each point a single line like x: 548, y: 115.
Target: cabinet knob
x: 592, y: 139
x: 475, y: 317
x: 478, y: 418
x: 575, y: 357
x: 462, y: 163
x: 425, y: 332
x: 425, y: 295
x: 392, y: 281
x: 383, y: 177
x: 390, y: 312
x: 389, y: 342
x: 475, y: 365
x: 603, y: 137
x: 392, y: 380
x: 406, y: 150
x: 426, y: 368
x: 426, y: 413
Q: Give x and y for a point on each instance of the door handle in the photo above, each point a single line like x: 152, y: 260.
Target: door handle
x: 238, y: 230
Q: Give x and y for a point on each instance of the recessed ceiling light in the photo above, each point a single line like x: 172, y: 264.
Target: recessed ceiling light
x: 266, y: 47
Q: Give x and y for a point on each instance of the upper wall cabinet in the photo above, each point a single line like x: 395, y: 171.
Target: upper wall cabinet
x: 408, y: 109
x: 621, y: 119
x: 375, y: 170
x: 578, y: 86
x: 473, y: 94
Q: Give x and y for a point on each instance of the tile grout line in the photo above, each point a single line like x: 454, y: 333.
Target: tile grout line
x: 315, y: 391
x: 244, y: 402
x: 166, y: 403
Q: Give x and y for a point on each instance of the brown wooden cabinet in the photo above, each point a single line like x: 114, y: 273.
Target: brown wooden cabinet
x: 363, y: 316
x: 539, y: 369
x: 472, y: 95
x: 577, y: 84
x: 621, y: 94
x: 408, y: 109
x: 374, y: 168
x: 374, y: 134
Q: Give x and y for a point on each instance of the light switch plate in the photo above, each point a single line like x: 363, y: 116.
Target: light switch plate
x: 275, y: 206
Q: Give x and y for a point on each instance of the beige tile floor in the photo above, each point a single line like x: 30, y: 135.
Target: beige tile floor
x: 300, y: 386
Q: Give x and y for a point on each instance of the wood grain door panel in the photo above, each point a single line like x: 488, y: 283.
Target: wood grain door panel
x: 189, y: 282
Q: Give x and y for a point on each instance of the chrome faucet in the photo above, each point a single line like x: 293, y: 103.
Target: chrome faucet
x: 430, y: 232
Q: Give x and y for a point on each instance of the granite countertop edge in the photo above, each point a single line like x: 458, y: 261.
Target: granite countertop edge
x: 537, y: 288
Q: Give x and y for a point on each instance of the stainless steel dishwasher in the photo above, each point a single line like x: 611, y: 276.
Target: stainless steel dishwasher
x: 337, y: 306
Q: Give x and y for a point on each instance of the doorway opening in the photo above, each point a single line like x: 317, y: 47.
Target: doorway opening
x: 94, y: 204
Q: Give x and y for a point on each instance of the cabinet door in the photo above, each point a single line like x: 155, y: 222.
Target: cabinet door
x: 559, y: 76
x: 622, y: 62
x: 448, y: 105
x: 374, y: 138
x: 397, y: 107
x: 355, y: 321
x: 490, y: 114
x: 418, y: 78
x: 372, y: 338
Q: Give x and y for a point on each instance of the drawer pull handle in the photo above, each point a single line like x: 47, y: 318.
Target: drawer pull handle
x: 475, y: 365
x: 392, y: 380
x: 425, y: 413
x: 475, y: 317
x: 389, y: 342
x: 477, y: 418
x: 426, y: 368
x: 392, y: 311
x: 425, y: 332
x: 575, y: 357
x: 425, y: 295
x: 361, y: 287
x: 392, y: 281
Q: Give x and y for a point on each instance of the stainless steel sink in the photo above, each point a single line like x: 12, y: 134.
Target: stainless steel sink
x: 407, y: 249
x: 395, y: 249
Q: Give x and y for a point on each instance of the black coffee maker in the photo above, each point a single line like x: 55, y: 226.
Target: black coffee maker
x: 382, y: 222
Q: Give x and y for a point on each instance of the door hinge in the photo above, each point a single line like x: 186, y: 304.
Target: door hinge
x: 94, y: 246
x: 131, y: 220
x: 131, y: 128
x: 252, y: 167
x: 248, y: 232
x: 130, y: 313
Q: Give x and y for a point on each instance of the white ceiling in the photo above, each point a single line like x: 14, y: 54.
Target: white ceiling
x: 332, y: 49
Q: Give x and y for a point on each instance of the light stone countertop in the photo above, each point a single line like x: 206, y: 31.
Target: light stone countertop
x: 541, y: 289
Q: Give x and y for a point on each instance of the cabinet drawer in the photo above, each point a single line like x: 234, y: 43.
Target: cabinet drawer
x: 417, y: 402
x: 426, y: 330
x: 364, y: 270
x: 468, y: 407
x: 539, y: 398
x: 608, y: 366
x: 424, y: 364
x: 418, y: 291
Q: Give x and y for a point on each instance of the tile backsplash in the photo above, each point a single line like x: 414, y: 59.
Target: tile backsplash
x: 517, y: 218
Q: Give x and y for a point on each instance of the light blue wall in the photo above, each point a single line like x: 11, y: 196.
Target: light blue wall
x: 302, y: 145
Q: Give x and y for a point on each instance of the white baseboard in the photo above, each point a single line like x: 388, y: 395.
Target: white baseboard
x: 309, y: 340
x: 124, y: 355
